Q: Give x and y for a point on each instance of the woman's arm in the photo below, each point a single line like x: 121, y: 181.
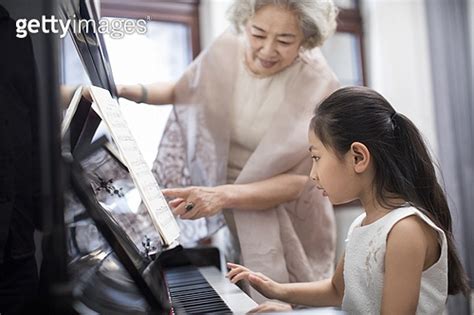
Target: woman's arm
x: 156, y: 93
x: 327, y: 292
x: 253, y: 196
x: 265, y: 194
x: 404, y: 261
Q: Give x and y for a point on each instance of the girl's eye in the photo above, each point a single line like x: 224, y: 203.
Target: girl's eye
x: 258, y: 36
x: 315, y: 158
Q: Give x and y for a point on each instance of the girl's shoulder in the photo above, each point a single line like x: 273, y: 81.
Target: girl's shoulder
x: 409, y: 217
x: 416, y: 237
x: 409, y: 228
x: 414, y: 230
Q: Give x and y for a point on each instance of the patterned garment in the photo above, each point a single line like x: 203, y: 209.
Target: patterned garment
x: 170, y: 170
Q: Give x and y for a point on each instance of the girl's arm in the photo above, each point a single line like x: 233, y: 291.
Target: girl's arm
x: 259, y: 195
x: 156, y: 93
x: 407, y: 245
x: 327, y: 292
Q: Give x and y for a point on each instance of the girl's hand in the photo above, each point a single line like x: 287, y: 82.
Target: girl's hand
x: 266, y: 286
x: 271, y: 307
x: 195, y: 202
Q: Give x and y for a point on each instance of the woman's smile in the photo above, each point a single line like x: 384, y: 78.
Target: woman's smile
x: 267, y: 64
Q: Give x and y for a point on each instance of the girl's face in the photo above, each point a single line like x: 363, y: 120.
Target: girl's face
x: 334, y: 176
x: 274, y: 38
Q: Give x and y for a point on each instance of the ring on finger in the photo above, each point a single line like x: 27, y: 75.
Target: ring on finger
x: 189, y: 206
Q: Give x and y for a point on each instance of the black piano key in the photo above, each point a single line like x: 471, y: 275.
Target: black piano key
x: 213, y: 309
x: 205, y: 308
x: 190, y: 288
x: 194, y: 297
x: 194, y: 291
x: 200, y: 303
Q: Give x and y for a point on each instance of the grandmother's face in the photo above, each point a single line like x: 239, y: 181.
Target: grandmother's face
x: 274, y: 38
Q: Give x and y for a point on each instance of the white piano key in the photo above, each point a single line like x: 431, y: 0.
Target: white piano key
x: 233, y: 296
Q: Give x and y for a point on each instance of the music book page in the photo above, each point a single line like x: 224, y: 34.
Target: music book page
x: 71, y: 109
x: 150, y: 192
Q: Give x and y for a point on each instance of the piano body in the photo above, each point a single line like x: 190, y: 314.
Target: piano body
x: 117, y: 261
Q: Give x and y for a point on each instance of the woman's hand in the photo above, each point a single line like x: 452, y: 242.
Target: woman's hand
x: 206, y: 201
x: 86, y: 93
x: 269, y: 306
x: 266, y: 286
x: 196, y: 202
x: 132, y: 92
x: 120, y: 90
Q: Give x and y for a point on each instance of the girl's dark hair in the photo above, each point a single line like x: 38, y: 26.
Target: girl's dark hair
x: 403, y: 166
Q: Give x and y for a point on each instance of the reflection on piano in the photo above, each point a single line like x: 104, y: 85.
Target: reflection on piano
x: 117, y: 261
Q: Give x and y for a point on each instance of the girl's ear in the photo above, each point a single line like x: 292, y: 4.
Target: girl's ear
x: 360, y: 157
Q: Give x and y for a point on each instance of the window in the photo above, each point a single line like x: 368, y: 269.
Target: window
x: 149, y: 58
x: 344, y: 50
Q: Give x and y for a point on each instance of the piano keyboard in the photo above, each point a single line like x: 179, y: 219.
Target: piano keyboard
x: 191, y: 293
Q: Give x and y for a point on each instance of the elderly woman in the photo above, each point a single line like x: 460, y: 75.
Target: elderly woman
x: 237, y: 138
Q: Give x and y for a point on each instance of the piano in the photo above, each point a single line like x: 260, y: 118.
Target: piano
x: 116, y: 260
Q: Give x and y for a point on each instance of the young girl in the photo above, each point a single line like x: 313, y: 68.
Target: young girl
x: 400, y: 255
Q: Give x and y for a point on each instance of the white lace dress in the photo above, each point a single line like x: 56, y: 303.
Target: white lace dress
x: 364, y: 266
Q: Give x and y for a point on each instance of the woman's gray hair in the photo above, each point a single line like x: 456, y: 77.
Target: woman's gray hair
x: 317, y: 17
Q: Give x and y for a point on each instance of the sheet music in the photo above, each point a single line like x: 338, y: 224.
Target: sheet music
x: 71, y: 109
x: 150, y: 192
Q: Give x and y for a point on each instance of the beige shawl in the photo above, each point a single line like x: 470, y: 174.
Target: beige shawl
x: 294, y: 241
